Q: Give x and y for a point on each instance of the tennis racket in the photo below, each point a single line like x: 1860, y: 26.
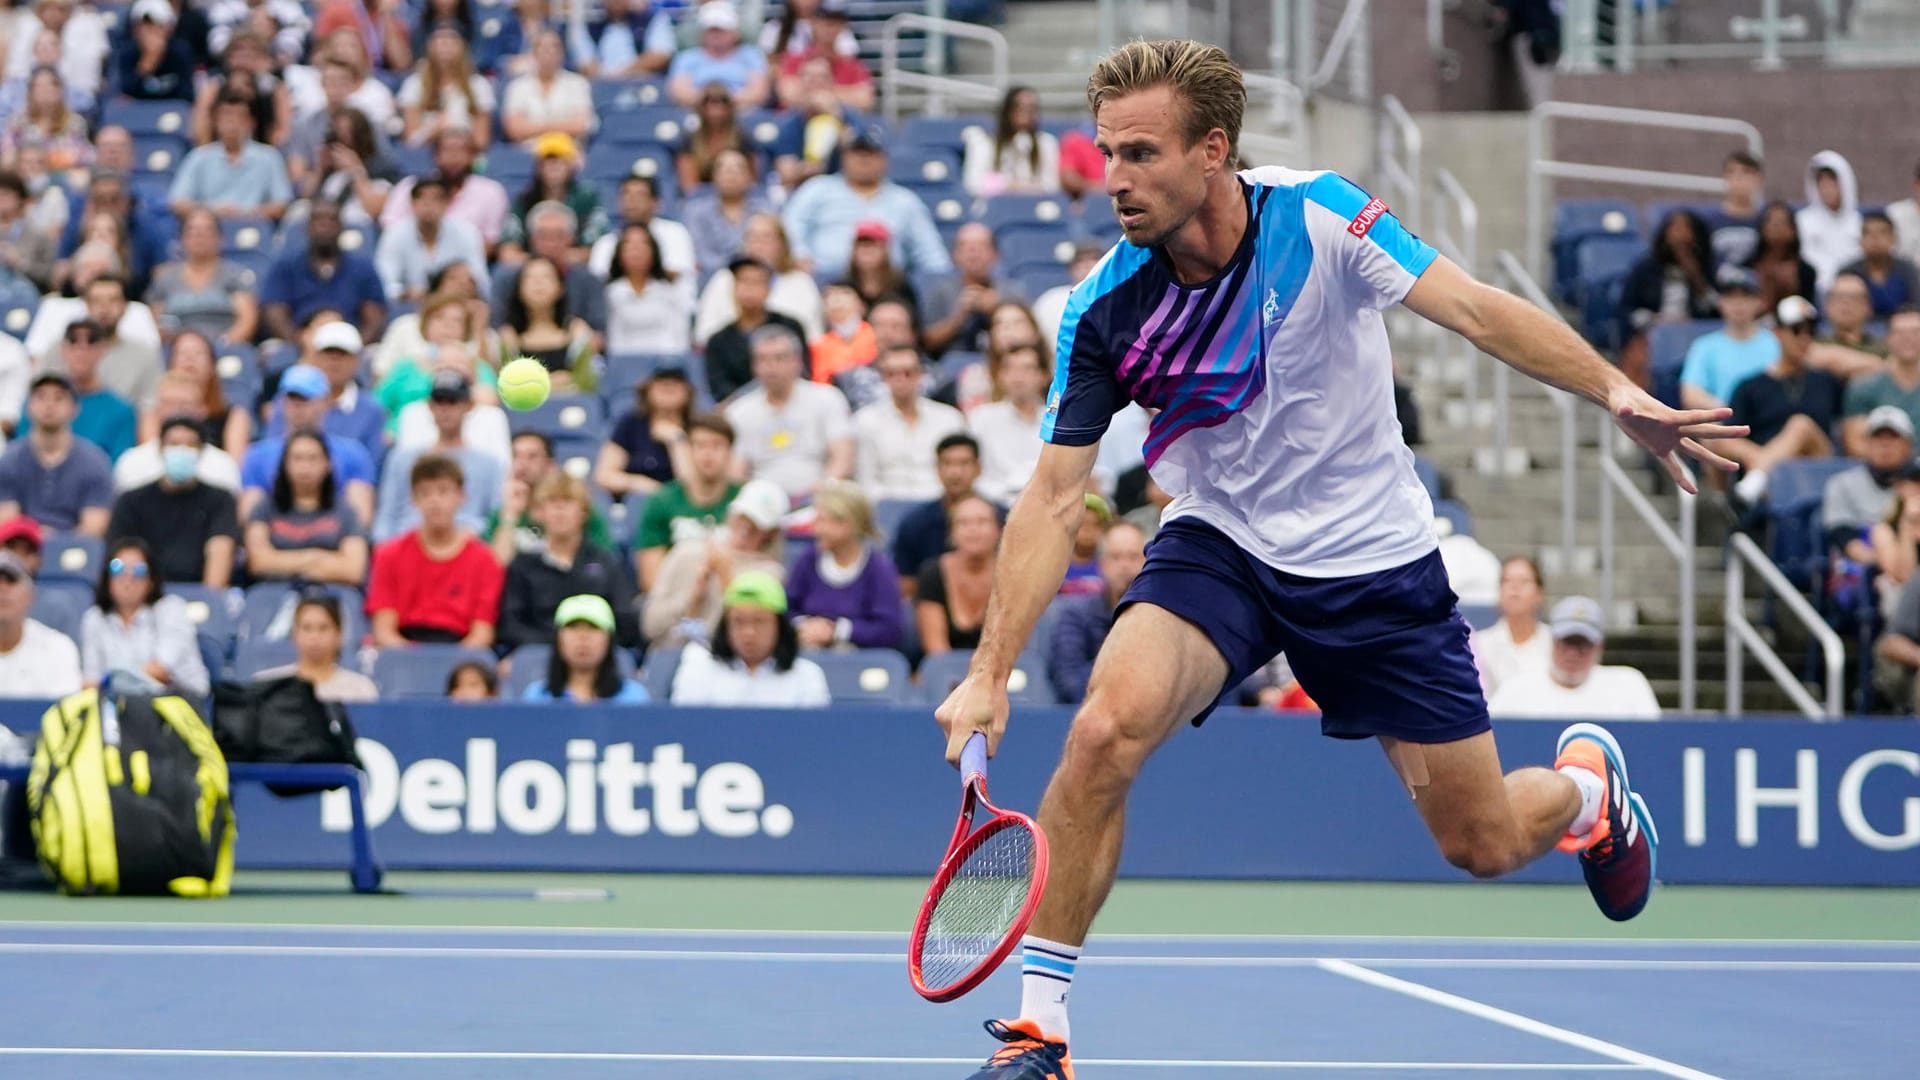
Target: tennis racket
x: 985, y: 893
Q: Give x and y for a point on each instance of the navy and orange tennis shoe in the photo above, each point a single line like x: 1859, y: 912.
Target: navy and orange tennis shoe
x: 1619, y: 856
x: 1029, y: 1054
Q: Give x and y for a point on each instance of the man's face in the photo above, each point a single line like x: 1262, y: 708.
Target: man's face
x: 530, y: 460
x: 1847, y: 304
x: 552, y: 239
x: 81, y: 351
x: 751, y: 287
x: 1155, y: 181
x: 816, y: 78
x: 453, y: 154
x: 51, y: 409
x: 959, y: 469
x: 1574, y: 658
x: 53, y: 16
x: 448, y: 416
x: 900, y: 369
x: 776, y: 365
x: 179, y: 399
x: 181, y: 436
x: 637, y: 203
x: 1903, y: 337
x: 429, y: 205
x: 1794, y: 341
x: 113, y: 149
x: 1886, y: 449
x: 108, y: 196
x: 1827, y: 185
x: 711, y: 454
x: 1021, y: 376
x: 1122, y: 557
x: 973, y: 252
x: 340, y: 366
x: 1743, y: 183
x: 863, y: 166
x: 1876, y: 239
x: 548, y: 54
x: 891, y: 325
x: 106, y: 303
x: 438, y: 501
x: 336, y: 82
x: 1739, y: 307
x: 323, y: 230
x: 302, y: 412
x: 16, y: 599
x: 233, y: 123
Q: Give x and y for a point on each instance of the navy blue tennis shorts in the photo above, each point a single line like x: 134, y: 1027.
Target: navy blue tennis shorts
x: 1381, y: 654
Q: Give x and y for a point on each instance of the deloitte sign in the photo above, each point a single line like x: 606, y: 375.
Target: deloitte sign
x: 595, y: 790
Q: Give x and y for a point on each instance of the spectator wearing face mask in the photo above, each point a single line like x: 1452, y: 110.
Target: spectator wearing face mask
x: 190, y: 528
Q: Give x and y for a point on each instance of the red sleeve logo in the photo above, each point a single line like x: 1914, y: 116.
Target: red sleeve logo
x: 1368, y: 214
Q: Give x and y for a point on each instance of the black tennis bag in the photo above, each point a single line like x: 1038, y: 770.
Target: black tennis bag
x: 282, y: 720
x: 129, y: 794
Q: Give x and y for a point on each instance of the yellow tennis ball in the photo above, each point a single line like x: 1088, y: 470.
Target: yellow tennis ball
x: 524, y: 383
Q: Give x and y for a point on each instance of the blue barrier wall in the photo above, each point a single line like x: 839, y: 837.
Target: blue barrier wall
x: 864, y: 790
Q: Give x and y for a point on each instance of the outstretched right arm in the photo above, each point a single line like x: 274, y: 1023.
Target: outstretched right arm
x: 1026, y: 577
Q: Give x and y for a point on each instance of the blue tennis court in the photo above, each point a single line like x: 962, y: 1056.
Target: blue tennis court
x: 205, y: 1002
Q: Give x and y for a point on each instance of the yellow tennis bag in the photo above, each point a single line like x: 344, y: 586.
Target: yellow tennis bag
x: 128, y: 794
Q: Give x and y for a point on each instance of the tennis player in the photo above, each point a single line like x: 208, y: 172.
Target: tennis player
x: 1244, y: 308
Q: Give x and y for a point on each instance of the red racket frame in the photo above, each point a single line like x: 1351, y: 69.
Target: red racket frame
x: 963, y: 844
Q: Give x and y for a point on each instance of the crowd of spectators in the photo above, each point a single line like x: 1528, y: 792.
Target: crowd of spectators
x: 1811, y: 320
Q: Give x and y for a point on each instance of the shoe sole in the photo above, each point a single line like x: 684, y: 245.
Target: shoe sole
x: 1618, y: 760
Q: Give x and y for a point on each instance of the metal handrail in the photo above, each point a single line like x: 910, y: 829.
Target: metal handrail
x: 1679, y: 543
x: 1398, y: 147
x: 1542, y: 167
x: 1515, y: 279
x: 1346, y: 33
x: 1463, y: 248
x: 934, y: 84
x: 1741, y: 634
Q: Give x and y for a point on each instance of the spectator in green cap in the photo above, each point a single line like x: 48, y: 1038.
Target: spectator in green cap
x: 583, y: 666
x: 754, y: 660
x: 1083, y: 571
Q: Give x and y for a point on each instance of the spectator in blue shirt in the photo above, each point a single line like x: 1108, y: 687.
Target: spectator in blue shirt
x: 305, y: 281
x: 305, y: 398
x: 1719, y: 362
x: 153, y: 63
x: 1082, y: 625
x: 1892, y: 282
x: 64, y: 483
x: 450, y: 400
x: 583, y: 666
x: 631, y: 38
x: 233, y: 176
x: 721, y: 58
x: 821, y: 216
x: 149, y: 229
x: 334, y: 347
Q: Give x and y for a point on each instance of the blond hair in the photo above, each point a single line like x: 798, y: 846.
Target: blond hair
x: 844, y: 500
x: 1202, y: 77
x: 559, y: 484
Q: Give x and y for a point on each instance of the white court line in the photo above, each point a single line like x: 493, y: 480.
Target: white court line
x: 894, y: 935
x: 461, y: 952
x: 798, y: 1059
x: 1514, y: 1020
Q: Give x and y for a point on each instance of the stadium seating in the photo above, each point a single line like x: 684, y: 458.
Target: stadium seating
x: 158, y: 154
x: 1574, y: 220
x: 1009, y: 214
x: 889, y: 513
x: 210, y: 610
x: 914, y: 165
x: 511, y: 164
x: 576, y: 452
x: 1429, y: 475
x: 267, y: 602
x: 527, y: 665
x: 253, y: 657
x: 642, y: 124
x: 866, y: 676
x: 1454, y: 515
x: 612, y: 97
x: 1037, y: 277
x: 1480, y: 616
x: 1667, y: 345
x: 611, y: 163
x: 1794, y: 496
x: 1028, y: 684
x: 562, y: 414
x: 59, y: 603
x: 152, y: 117
x: 243, y: 235
x: 71, y: 557
x: 942, y: 131
x: 421, y: 670
x: 1599, y: 266
x: 238, y: 367
x: 1657, y: 211
x: 657, y: 676
x: 1038, y: 245
x: 17, y: 306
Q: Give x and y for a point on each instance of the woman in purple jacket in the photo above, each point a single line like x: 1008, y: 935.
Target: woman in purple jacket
x: 847, y: 593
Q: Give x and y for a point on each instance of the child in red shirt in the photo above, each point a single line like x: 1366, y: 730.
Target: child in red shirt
x: 437, y: 583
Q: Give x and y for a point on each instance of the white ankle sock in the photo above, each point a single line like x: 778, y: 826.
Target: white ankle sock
x: 1592, y: 791
x: 1046, y: 977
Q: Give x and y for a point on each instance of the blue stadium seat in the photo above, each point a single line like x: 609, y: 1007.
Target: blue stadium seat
x: 612, y: 96
x: 562, y: 414
x: 866, y: 676
x: 1006, y: 214
x: 1028, y: 684
x: 412, y: 160
x: 1667, y: 345
x: 948, y: 202
x: 209, y: 610
x: 1656, y: 212
x: 1480, y: 616
x: 1599, y: 266
x: 624, y: 371
x: 72, y: 557
x: 421, y: 670
x: 657, y: 677
x: 17, y: 307
x: 60, y: 603
x: 762, y: 128
x: 266, y: 601
x: 1455, y: 515
x: 509, y: 163
x: 240, y: 235
x: 924, y: 165
x: 216, y: 656
x: 1794, y: 496
x: 887, y: 516
x: 663, y: 124
x: 1038, y: 277
x: 238, y: 366
x: 1037, y: 245
x: 527, y: 665
x: 611, y: 163
x: 1429, y: 475
x: 253, y: 657
x: 1574, y: 220
x: 952, y: 363
x: 152, y: 117
x: 946, y: 131
x: 576, y: 453
x: 158, y: 154
x: 1099, y: 227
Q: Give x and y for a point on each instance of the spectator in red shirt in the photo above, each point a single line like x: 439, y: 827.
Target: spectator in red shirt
x: 852, y: 82
x: 1082, y: 167
x: 437, y: 583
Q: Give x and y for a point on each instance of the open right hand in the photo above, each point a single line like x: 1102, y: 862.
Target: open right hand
x: 977, y: 704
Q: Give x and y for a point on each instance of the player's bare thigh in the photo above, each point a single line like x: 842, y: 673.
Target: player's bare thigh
x: 1484, y: 822
x: 1155, y: 672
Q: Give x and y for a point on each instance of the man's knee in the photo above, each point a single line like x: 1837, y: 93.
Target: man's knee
x: 1481, y: 852
x: 1105, y: 747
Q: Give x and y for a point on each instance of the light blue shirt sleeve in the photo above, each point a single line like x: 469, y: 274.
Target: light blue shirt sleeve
x: 660, y: 34
x: 631, y: 693
x: 536, y: 691
x: 186, y: 182
x: 390, y: 258
x: 926, y: 252
x: 1693, y: 371
x: 798, y: 214
x: 396, y: 500
x: 279, y: 187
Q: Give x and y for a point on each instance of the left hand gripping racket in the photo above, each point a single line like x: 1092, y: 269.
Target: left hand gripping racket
x: 984, y: 895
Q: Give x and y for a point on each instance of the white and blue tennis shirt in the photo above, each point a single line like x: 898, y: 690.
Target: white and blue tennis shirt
x: 1273, y: 381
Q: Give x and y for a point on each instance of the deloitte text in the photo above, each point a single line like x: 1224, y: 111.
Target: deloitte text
x: 600, y: 788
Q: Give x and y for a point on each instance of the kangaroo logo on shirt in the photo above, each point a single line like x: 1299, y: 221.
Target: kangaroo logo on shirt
x: 1270, y: 310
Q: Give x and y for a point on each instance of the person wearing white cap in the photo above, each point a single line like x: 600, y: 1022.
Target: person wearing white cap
x: 334, y: 347
x: 1897, y: 386
x: 1789, y: 407
x: 684, y: 603
x: 720, y: 57
x: 155, y: 65
x: 1856, y: 499
x: 1574, y: 684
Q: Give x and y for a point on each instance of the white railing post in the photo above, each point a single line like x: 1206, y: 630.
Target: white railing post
x: 1679, y: 543
x: 1732, y: 614
x: 1450, y: 202
x: 1743, y: 636
x: 935, y: 86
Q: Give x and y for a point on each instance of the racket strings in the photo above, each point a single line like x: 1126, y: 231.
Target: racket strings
x: 981, y: 903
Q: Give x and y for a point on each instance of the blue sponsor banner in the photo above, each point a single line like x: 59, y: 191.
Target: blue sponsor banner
x: 864, y: 791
